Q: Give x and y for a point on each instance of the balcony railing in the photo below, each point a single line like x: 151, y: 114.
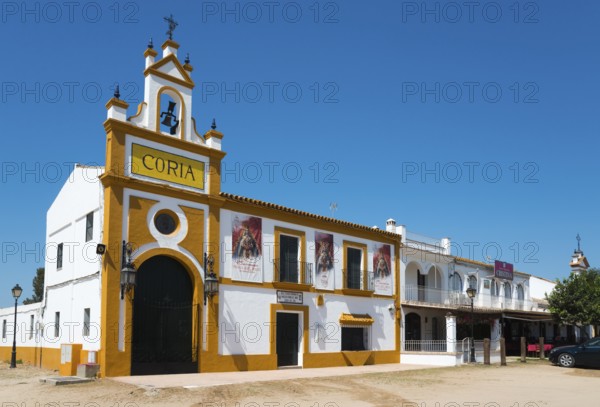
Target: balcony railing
x: 358, y: 279
x: 298, y: 272
x: 426, y: 345
x: 416, y: 293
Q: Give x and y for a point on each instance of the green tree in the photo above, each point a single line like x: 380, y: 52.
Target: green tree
x: 38, y: 287
x: 576, y: 300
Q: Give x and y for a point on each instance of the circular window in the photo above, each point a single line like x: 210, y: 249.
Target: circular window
x: 165, y: 222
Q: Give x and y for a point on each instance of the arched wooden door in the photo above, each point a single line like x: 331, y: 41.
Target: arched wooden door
x: 163, y: 312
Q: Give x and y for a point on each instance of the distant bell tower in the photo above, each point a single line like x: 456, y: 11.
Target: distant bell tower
x: 579, y: 262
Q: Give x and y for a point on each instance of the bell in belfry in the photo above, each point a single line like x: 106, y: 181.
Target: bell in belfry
x: 170, y: 119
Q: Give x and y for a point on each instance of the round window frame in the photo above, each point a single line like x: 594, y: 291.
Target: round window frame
x: 173, y: 216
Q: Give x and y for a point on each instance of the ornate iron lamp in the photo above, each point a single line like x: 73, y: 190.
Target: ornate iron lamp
x: 471, y: 293
x: 211, y: 284
x: 128, y: 272
x: 16, y: 293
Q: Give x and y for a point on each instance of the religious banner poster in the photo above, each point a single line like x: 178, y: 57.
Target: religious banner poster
x: 324, y: 261
x: 382, y: 269
x: 246, y: 240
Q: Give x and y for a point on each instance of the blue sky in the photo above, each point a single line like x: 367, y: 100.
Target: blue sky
x: 478, y: 124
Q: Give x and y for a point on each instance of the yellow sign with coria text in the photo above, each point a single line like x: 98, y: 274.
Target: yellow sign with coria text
x: 164, y: 166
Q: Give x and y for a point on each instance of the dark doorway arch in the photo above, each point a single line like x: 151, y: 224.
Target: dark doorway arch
x: 413, y: 327
x: 163, y: 312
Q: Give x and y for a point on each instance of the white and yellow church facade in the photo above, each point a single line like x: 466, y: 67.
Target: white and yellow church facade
x: 151, y: 268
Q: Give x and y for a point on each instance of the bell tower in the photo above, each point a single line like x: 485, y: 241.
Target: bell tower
x: 162, y: 184
x: 579, y: 262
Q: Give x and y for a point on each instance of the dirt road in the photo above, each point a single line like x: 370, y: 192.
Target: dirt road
x: 535, y: 384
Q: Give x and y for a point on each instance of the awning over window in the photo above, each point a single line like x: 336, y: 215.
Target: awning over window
x: 356, y: 319
x: 529, y: 316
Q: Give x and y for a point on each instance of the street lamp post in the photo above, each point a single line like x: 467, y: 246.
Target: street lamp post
x: 471, y: 293
x: 16, y: 292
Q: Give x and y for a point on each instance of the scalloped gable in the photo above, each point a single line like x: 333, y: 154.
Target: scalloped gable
x: 171, y: 67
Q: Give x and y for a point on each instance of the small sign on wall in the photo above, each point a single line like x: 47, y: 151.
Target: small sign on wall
x: 289, y: 297
x: 486, y: 284
x: 503, y: 270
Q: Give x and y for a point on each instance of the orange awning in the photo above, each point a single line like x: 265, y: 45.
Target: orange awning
x: 356, y: 319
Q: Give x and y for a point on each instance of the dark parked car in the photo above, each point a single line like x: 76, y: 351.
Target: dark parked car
x: 586, y: 354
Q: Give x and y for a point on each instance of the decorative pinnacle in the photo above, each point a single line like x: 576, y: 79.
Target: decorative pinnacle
x: 214, y: 124
x: 117, y: 94
x: 187, y: 58
x: 151, y: 44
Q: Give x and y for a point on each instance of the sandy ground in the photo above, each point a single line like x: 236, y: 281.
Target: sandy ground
x: 534, y: 384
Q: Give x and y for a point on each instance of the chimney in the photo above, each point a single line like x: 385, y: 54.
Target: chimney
x: 390, y: 225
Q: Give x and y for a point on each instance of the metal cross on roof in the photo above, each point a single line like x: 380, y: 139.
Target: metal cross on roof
x: 578, y: 242
x: 172, y: 24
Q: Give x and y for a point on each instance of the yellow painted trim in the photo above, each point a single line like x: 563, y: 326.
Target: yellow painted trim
x: 213, y: 133
x: 137, y: 221
x: 165, y: 166
x: 330, y: 359
x: 213, y: 248
x: 150, y: 52
x: 233, y: 363
x: 152, y: 71
x: 356, y: 319
x: 116, y: 102
x: 170, y: 43
x: 188, y: 67
x: 214, y: 176
x: 320, y: 300
x: 358, y: 293
x: 291, y: 286
x: 119, y: 128
x: 273, y: 326
x: 139, y: 111
x: 194, y: 240
x: 155, y: 69
x: 358, y: 358
x: 302, y: 249
x: 365, y: 267
x: 70, y: 368
x: 182, y: 111
x: 236, y: 363
x: 112, y: 361
x: 160, y: 189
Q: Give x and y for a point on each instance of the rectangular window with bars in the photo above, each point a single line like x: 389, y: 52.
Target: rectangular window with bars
x: 89, y: 226
x: 59, y: 256
x: 288, y: 258
x: 354, y: 266
x: 56, y: 324
x: 86, y: 322
x: 31, y: 326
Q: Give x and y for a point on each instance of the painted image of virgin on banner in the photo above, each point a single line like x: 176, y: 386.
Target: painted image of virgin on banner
x: 382, y: 270
x: 246, y: 240
x: 324, y: 261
